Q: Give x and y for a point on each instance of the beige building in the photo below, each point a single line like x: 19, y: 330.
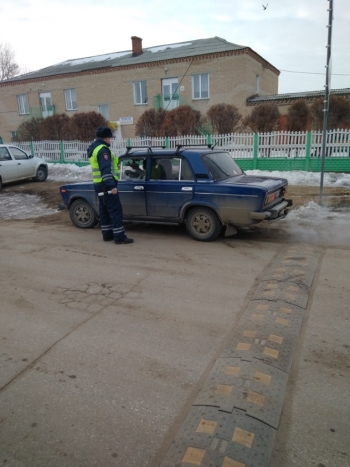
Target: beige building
x: 122, y: 85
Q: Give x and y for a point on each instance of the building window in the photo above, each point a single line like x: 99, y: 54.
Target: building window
x: 22, y: 102
x: 257, y: 84
x: 104, y: 111
x: 200, y: 86
x: 71, y: 99
x: 140, y: 92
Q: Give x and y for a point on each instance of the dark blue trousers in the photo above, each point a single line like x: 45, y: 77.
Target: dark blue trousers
x: 111, y: 216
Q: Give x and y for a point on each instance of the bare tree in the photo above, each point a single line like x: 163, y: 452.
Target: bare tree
x: 263, y: 118
x: 224, y: 118
x: 82, y: 125
x: 181, y: 121
x: 150, y: 123
x: 338, y: 116
x: 54, y: 127
x: 29, y: 130
x: 298, y: 116
x: 8, y: 66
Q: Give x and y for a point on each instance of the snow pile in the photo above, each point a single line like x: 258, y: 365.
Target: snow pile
x: 298, y: 177
x: 69, y: 172
x: 22, y: 206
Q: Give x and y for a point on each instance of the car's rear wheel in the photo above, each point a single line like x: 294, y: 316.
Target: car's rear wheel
x: 41, y: 174
x: 82, y: 214
x: 203, y: 224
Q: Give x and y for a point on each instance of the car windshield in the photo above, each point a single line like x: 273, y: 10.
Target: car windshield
x: 221, y: 165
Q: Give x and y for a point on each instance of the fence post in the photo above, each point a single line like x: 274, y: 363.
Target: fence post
x: 128, y: 142
x: 255, y: 150
x: 31, y: 148
x: 308, y: 151
x: 208, y: 139
x: 61, y: 153
x: 167, y: 142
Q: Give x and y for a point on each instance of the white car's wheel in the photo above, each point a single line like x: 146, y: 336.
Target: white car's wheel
x: 41, y: 174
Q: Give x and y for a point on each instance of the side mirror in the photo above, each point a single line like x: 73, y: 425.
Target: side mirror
x: 30, y: 156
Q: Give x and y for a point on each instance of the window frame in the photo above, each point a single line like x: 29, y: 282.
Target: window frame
x: 140, y: 171
x: 99, y: 110
x: 199, y: 75
x: 20, y: 155
x: 71, y: 101
x: 5, y: 155
x: 257, y: 83
x: 139, y: 83
x: 22, y: 103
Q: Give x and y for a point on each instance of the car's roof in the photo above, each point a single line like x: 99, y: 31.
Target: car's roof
x: 181, y: 150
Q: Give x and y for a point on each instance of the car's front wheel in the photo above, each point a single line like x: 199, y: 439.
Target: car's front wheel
x: 41, y: 174
x: 203, y: 224
x: 82, y: 214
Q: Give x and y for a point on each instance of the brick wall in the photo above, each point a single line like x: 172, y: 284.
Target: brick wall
x: 232, y: 79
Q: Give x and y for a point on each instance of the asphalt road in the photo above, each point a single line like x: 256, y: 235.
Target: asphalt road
x: 103, y: 348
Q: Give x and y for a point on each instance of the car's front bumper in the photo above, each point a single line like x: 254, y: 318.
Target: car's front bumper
x: 275, y: 213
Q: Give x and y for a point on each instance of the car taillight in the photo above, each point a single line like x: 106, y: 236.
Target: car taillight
x: 271, y: 197
x: 63, y: 191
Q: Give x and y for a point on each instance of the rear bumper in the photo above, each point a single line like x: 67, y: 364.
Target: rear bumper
x: 62, y: 207
x: 276, y: 212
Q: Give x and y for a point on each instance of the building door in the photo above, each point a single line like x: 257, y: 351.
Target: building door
x: 170, y: 93
x: 46, y: 104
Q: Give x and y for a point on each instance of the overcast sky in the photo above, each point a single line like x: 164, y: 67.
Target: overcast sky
x: 290, y: 34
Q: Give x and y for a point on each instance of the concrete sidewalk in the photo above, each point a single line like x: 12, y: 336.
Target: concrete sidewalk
x: 315, y: 424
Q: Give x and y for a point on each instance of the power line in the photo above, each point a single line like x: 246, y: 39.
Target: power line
x: 311, y: 73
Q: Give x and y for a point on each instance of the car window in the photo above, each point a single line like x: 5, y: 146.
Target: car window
x: 133, y: 169
x: 5, y: 155
x: 18, y: 154
x: 185, y: 171
x: 221, y: 165
x: 170, y: 168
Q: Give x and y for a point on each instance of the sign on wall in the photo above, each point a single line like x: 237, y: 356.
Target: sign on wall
x: 126, y: 121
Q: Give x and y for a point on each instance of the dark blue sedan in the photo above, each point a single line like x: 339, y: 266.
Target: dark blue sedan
x: 199, y: 186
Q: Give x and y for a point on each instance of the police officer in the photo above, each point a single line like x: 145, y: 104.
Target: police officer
x: 104, y: 165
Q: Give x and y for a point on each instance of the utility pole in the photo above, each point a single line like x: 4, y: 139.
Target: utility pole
x: 327, y: 92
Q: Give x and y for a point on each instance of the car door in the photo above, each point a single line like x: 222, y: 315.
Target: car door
x: 8, y: 166
x: 25, y: 165
x: 131, y: 186
x: 170, y: 186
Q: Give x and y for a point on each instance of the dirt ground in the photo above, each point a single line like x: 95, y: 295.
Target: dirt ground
x: 89, y: 380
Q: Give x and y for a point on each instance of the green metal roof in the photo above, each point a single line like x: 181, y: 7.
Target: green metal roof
x: 149, y: 55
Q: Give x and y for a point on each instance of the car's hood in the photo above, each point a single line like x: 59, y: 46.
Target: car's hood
x: 256, y: 181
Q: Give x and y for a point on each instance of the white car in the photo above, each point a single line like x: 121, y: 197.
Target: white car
x: 16, y: 164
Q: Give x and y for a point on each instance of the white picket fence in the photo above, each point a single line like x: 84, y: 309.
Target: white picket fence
x: 240, y: 145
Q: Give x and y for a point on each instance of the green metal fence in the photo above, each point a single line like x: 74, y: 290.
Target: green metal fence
x: 280, y: 151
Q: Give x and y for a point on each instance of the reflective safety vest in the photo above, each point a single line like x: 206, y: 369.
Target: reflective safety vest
x: 96, y: 173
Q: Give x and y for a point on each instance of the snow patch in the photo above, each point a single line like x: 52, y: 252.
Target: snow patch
x: 23, y: 206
